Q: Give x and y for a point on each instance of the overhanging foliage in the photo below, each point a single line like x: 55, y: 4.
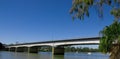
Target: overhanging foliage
x: 110, y: 37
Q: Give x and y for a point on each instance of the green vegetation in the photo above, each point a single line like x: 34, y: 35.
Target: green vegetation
x: 45, y: 49
x: 80, y: 8
x: 79, y: 49
x: 70, y: 49
x: 110, y: 41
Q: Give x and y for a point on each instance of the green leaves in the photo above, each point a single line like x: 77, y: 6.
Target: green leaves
x: 88, y: 2
x: 80, y: 8
x: 110, y: 35
x: 116, y: 12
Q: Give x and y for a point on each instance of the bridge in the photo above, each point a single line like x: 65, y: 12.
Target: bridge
x: 58, y: 45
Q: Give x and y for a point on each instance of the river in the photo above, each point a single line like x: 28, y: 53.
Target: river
x: 48, y: 55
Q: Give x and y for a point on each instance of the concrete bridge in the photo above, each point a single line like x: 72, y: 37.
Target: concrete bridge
x: 58, y: 45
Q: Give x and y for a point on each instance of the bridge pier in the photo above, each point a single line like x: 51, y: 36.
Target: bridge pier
x: 33, y: 50
x: 20, y: 49
x: 28, y: 49
x: 15, y: 49
x: 59, y: 50
x: 9, y: 49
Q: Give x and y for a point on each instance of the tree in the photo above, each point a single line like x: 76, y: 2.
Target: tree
x: 110, y: 35
x: 80, y: 8
x: 110, y: 40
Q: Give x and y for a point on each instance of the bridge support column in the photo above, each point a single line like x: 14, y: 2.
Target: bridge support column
x: 33, y: 49
x: 28, y: 49
x: 16, y: 49
x: 9, y: 49
x: 59, y: 50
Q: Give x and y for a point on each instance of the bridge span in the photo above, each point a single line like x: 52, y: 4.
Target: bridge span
x: 57, y: 44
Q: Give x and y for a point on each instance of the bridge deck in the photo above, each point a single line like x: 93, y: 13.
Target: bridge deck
x: 93, y: 40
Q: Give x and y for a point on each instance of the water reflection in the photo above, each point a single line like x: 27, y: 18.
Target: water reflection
x: 48, y: 55
x: 33, y: 56
x: 58, y: 56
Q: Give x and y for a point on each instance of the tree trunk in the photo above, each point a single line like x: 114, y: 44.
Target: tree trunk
x: 115, y: 53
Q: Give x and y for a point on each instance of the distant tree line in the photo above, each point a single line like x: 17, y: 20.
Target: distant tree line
x: 79, y: 49
x: 45, y: 49
x: 71, y: 49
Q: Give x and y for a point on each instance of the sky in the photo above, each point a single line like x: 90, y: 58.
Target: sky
x: 26, y: 21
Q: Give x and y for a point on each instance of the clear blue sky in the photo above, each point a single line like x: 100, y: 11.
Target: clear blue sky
x: 44, y: 20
